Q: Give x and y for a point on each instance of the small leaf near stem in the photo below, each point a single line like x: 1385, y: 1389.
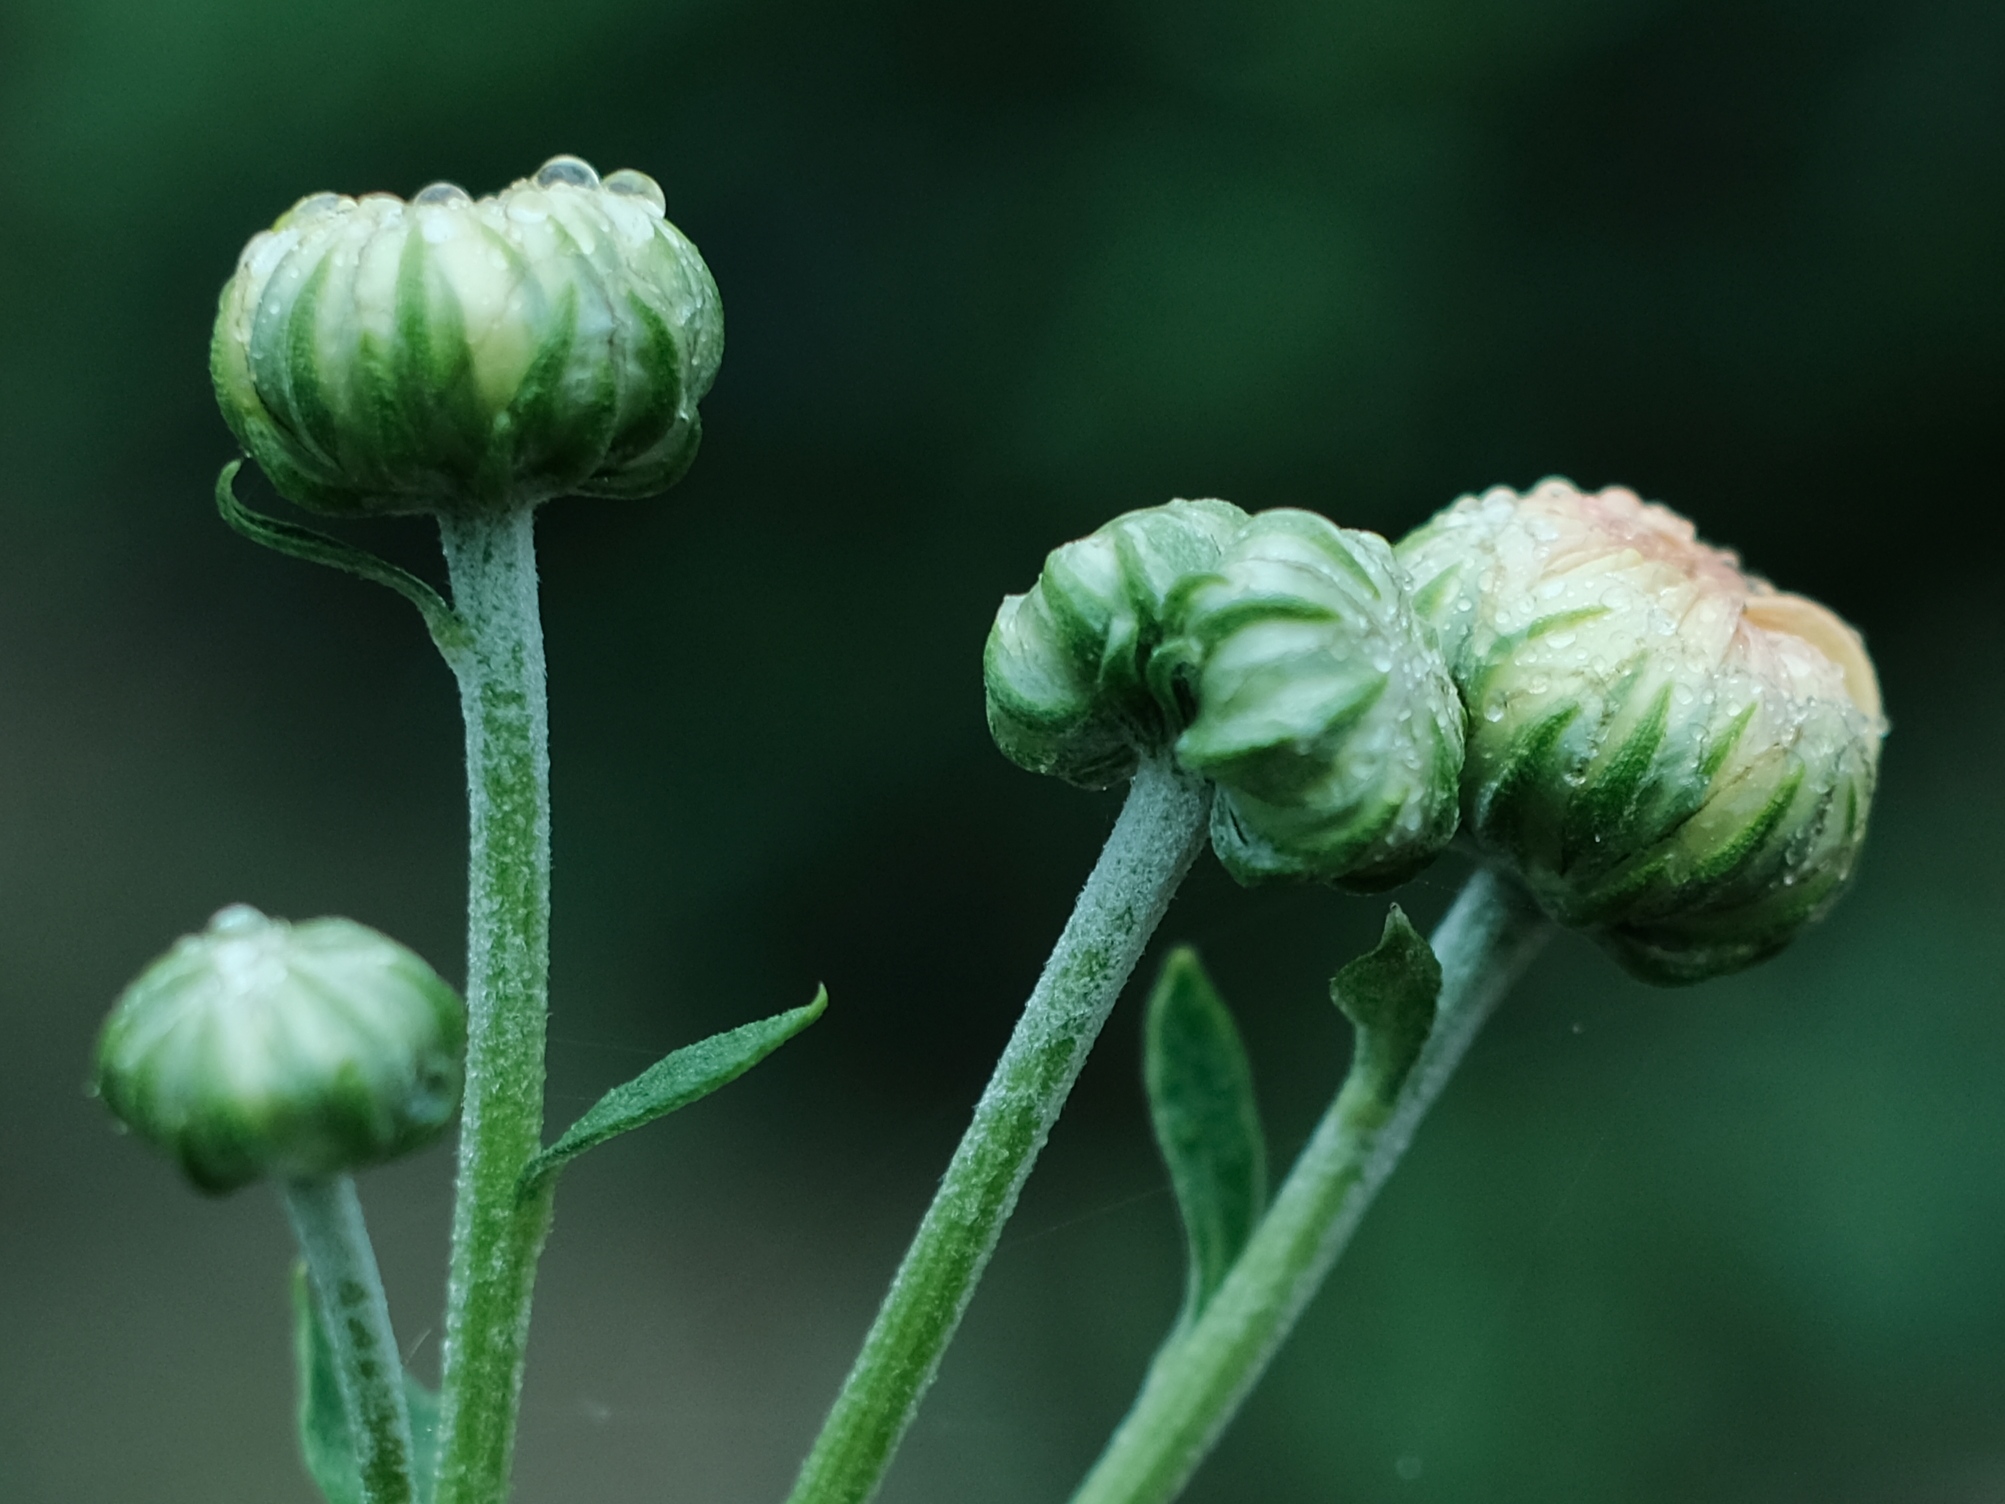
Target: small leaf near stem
x: 1207, y: 1122
x: 1388, y: 994
x: 1151, y: 847
x: 360, y: 1436
x: 688, y: 1075
x: 447, y: 629
x: 1199, y: 1379
x: 325, y: 1440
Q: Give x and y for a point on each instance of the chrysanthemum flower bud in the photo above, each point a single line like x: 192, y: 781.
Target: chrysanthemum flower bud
x: 1067, y: 663
x: 1323, y: 711
x: 1670, y: 752
x: 378, y: 356
x: 261, y: 1048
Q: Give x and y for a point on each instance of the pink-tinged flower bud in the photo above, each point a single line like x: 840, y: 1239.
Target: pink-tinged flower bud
x: 1671, y: 753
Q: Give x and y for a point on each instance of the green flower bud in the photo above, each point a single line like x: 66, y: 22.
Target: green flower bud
x: 260, y: 1048
x: 1067, y: 663
x: 1670, y: 753
x: 1324, y: 714
x: 378, y: 356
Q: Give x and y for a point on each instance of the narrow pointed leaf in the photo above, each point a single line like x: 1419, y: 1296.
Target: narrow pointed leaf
x: 325, y: 1442
x: 686, y: 1076
x: 1207, y: 1122
x: 447, y: 630
x: 423, y: 1403
x: 1388, y: 994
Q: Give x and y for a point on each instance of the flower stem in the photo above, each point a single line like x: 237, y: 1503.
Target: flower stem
x: 1200, y: 1378
x: 497, y: 1234
x: 327, y: 1219
x: 1159, y: 833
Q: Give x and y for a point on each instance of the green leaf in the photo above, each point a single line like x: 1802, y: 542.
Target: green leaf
x: 447, y: 630
x: 1388, y: 994
x: 686, y: 1076
x: 423, y: 1403
x: 323, y: 1420
x: 324, y: 1439
x: 1207, y: 1121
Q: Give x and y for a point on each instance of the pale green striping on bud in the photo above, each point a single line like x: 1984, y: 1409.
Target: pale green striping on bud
x: 378, y: 356
x: 261, y: 1048
x: 1323, y: 712
x: 1668, y: 751
x: 1067, y: 662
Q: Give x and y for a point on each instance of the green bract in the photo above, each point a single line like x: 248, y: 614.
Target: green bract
x: 1067, y: 663
x: 261, y: 1048
x: 1670, y: 753
x: 1324, y: 713
x: 378, y: 356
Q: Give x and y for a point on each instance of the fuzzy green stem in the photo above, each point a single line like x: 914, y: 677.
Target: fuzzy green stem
x: 497, y: 1234
x: 326, y: 1217
x: 1159, y: 833
x: 1200, y: 1378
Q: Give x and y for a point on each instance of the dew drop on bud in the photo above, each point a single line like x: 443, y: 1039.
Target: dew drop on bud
x: 442, y: 193
x: 237, y: 919
x: 573, y: 170
x: 638, y: 185
x: 314, y: 206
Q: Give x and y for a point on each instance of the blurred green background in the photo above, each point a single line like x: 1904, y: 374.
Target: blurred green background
x: 994, y: 272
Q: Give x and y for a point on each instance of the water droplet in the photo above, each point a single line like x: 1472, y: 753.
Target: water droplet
x: 637, y: 185
x: 315, y: 206
x: 528, y: 208
x: 237, y: 919
x: 1494, y: 711
x: 563, y: 169
x: 441, y: 193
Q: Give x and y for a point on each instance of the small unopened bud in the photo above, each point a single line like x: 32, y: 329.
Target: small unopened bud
x: 261, y: 1048
x: 378, y: 356
x: 1670, y: 752
x: 1323, y: 711
x: 1067, y: 662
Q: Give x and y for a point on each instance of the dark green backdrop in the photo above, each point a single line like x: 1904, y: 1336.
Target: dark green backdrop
x: 994, y: 272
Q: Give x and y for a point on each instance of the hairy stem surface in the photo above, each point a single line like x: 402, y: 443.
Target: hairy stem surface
x: 1161, y: 828
x: 497, y: 1235
x: 326, y: 1217
x: 1200, y: 1379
